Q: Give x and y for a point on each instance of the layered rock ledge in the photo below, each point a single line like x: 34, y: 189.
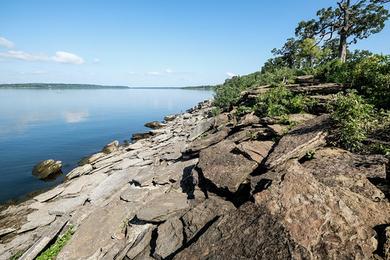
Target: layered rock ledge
x: 203, y: 187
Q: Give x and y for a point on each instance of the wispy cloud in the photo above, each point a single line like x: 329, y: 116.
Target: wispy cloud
x: 67, y: 57
x: 154, y: 73
x: 6, y: 43
x: 60, y: 57
x: 96, y: 60
x: 231, y: 74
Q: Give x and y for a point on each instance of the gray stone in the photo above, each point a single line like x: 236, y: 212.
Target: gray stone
x: 161, y: 208
x: 78, y: 171
x: 205, y: 142
x: 92, y: 159
x: 37, y: 219
x: 155, y: 125
x: 201, y: 128
x: 48, y: 195
x: 6, y: 231
x: 170, y: 237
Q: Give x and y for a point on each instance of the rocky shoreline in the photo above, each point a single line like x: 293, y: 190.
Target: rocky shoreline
x: 200, y: 186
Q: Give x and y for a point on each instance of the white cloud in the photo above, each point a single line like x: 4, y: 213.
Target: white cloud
x: 154, y: 73
x: 6, y: 43
x: 67, y: 57
x: 231, y: 74
x: 60, y: 57
x: 96, y: 60
x: 169, y: 71
x: 21, y: 55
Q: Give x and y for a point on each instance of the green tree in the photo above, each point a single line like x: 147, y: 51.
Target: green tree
x: 349, y: 21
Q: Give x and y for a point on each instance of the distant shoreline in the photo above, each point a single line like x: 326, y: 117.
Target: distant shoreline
x: 89, y: 86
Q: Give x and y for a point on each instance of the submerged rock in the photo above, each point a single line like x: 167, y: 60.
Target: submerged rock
x: 46, y: 168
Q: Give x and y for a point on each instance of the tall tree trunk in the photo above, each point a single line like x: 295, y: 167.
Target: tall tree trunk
x: 343, y: 47
x: 344, y: 6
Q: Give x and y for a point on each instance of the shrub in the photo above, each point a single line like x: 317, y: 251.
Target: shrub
x: 351, y: 116
x: 279, y: 101
x: 371, y: 77
x: 334, y: 71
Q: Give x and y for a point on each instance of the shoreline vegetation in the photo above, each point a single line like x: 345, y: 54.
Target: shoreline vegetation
x: 64, y: 86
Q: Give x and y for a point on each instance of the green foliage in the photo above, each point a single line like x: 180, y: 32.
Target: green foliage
x: 351, y: 116
x: 17, y: 255
x: 215, y: 111
x: 242, y: 110
x: 279, y: 101
x: 52, y: 252
x: 371, y: 77
x: 310, y: 155
x: 334, y: 71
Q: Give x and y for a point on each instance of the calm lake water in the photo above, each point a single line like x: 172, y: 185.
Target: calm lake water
x: 67, y: 125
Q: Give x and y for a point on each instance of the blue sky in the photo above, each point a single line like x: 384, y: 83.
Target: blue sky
x: 148, y: 43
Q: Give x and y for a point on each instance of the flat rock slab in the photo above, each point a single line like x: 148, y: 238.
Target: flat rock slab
x: 78, y: 171
x: 112, y: 183
x: 37, y: 219
x: 204, y: 213
x: 201, y: 128
x: 256, y: 150
x: 164, y: 206
x: 300, y: 140
x: 225, y: 168
x: 249, y: 232
x: 96, y: 231
x: 6, y: 231
x: 207, y: 141
x: 170, y: 237
x: 49, y: 194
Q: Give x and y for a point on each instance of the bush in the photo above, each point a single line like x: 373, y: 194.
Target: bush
x: 280, y: 101
x: 334, y: 71
x: 351, y: 116
x: 371, y: 77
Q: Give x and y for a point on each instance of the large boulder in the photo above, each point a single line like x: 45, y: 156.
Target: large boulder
x: 46, y: 168
x: 256, y: 150
x: 327, y: 205
x: 223, y: 166
x: 320, y: 89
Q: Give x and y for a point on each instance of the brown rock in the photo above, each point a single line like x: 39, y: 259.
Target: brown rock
x: 207, y: 141
x: 256, y: 150
x: 223, y: 167
x: 111, y: 147
x: 329, y: 221
x: 46, y: 168
x: 249, y: 232
x: 248, y: 119
x: 300, y: 140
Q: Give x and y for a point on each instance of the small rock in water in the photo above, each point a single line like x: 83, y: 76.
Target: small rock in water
x: 111, y: 147
x: 46, y: 168
x: 169, y: 118
x: 154, y: 125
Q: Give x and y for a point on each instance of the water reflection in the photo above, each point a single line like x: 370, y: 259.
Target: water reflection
x: 75, y: 117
